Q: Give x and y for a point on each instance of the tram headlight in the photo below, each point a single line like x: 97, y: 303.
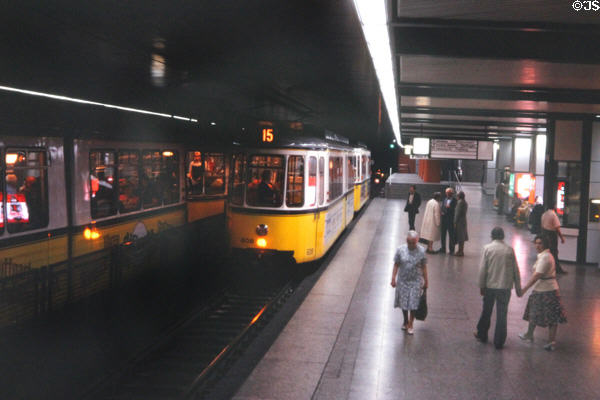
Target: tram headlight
x: 262, y: 230
x: 261, y: 242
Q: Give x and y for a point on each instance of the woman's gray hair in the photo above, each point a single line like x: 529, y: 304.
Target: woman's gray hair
x: 412, y: 235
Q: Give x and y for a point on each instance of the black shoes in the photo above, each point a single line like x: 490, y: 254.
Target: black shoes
x: 478, y: 338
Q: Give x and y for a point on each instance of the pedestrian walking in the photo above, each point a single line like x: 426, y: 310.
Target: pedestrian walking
x: 498, y: 273
x: 413, y: 202
x: 409, y: 277
x: 430, y: 227
x: 447, y: 219
x: 551, y: 229
x: 460, y: 223
x: 544, y: 307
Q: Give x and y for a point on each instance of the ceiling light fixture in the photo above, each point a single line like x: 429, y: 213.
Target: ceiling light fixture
x: 92, y: 103
x: 373, y: 19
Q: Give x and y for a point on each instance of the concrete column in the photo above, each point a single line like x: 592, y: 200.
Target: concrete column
x: 593, y: 232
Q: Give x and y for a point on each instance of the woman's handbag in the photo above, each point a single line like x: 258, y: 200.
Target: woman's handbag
x: 421, y: 312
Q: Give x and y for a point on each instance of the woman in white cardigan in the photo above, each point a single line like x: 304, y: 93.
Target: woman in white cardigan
x: 430, y: 228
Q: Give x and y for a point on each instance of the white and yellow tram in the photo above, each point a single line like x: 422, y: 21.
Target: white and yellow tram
x: 294, y: 191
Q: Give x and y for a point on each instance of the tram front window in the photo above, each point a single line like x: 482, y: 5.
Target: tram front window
x: 265, y: 181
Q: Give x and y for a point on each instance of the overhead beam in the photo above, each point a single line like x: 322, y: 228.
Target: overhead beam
x: 482, y: 112
x: 470, y: 122
x: 554, y: 95
x: 497, y: 39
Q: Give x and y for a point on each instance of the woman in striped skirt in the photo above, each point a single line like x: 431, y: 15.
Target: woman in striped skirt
x: 544, y: 307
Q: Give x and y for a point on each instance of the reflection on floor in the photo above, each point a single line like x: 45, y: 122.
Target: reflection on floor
x: 349, y: 345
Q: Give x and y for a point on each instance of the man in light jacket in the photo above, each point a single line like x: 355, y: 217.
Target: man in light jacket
x: 498, y: 273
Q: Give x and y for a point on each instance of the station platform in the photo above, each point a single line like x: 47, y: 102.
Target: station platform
x: 345, y: 341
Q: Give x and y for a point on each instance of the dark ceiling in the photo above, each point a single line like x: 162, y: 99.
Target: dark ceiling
x: 224, y: 61
x: 464, y: 68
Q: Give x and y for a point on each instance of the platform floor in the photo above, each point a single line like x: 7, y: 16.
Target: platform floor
x: 345, y: 341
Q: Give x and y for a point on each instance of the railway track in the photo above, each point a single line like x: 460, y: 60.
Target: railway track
x: 188, y: 359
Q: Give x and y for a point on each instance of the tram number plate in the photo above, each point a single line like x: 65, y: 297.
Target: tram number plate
x: 247, y: 240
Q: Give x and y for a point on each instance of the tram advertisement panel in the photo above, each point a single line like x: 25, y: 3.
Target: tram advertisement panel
x: 349, y: 207
x: 333, y: 222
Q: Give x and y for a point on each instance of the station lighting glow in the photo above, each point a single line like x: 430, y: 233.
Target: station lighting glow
x: 373, y: 19
x: 420, y: 146
x: 167, y: 153
x: 11, y: 158
x: 92, y: 103
x: 261, y: 242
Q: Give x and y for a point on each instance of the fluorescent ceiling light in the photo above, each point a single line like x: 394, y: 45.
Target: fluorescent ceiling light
x: 92, y: 103
x: 420, y: 146
x: 373, y: 18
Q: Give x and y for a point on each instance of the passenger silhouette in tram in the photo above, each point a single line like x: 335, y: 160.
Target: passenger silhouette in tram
x: 195, y: 173
x: 265, y: 192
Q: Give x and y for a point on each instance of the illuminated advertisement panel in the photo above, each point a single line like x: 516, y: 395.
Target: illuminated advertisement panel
x: 525, y: 187
x: 511, y: 186
x: 560, y: 197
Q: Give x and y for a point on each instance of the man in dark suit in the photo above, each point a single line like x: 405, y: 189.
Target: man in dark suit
x: 448, y: 206
x: 412, y: 206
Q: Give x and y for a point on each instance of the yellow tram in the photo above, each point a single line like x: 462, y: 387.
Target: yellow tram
x: 293, y: 191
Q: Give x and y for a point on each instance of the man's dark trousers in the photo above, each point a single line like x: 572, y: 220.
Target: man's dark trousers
x: 501, y: 297
x: 448, y: 226
x: 411, y: 220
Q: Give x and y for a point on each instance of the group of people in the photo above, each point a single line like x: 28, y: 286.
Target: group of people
x: 442, y: 219
x: 498, y: 270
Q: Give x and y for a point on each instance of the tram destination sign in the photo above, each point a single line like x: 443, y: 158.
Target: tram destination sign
x: 461, y: 149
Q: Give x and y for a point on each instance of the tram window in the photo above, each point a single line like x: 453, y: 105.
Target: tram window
x: 265, y: 181
x: 1, y: 208
x: 321, y: 180
x: 150, y: 179
x: 311, y: 189
x: 214, y: 173
x: 294, y: 196
x: 169, y: 177
x: 195, y: 174
x: 26, y: 190
x: 336, y: 177
x: 351, y: 170
x: 237, y: 181
x: 129, y: 181
x: 363, y: 167
x: 102, y: 184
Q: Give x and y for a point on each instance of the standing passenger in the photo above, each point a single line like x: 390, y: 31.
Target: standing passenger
x: 409, y: 278
x: 498, y: 273
x: 413, y: 202
x: 544, y: 307
x: 551, y: 229
x: 460, y: 223
x: 430, y: 228
x: 448, y: 206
